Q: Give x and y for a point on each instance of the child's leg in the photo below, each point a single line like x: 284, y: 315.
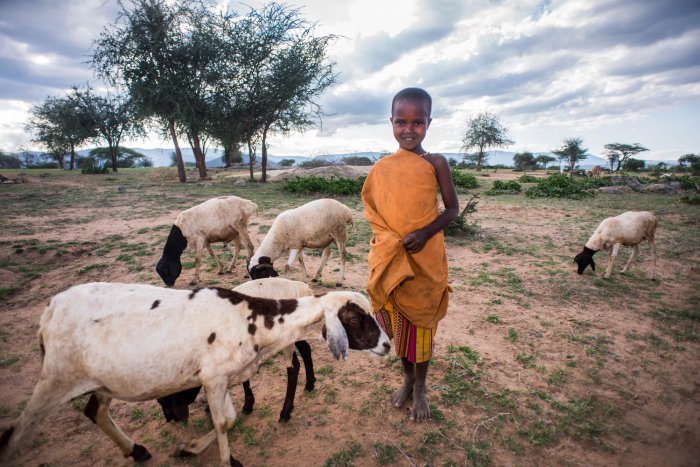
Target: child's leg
x: 420, y: 412
x: 400, y: 395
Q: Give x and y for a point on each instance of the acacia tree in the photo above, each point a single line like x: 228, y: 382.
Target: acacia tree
x: 141, y: 52
x: 544, y: 160
x: 619, y: 153
x: 484, y: 131
x: 113, y: 117
x: 524, y: 161
x: 572, y: 152
x: 61, y: 124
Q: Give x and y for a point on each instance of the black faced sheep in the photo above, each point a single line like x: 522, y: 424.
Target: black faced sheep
x: 223, y: 219
x: 628, y: 229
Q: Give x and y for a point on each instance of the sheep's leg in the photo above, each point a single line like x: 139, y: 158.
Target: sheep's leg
x: 653, y: 256
x: 97, y: 410
x: 243, y: 232
x: 219, y: 264
x: 197, y: 262
x: 292, y: 380
x: 324, y: 257
x: 305, y: 352
x: 301, y: 262
x: 235, y: 249
x: 613, y: 255
x: 342, y: 251
x: 249, y: 398
x: 47, y: 394
x: 635, y: 252
x: 223, y: 416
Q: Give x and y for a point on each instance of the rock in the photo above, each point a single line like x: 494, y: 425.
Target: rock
x: 206, y: 184
x: 629, y: 181
x: 121, y: 189
x: 239, y: 182
x: 615, y: 190
x: 659, y: 188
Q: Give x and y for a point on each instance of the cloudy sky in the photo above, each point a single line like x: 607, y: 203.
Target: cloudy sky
x: 606, y: 71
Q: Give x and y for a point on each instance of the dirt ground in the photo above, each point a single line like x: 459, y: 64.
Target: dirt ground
x: 533, y: 365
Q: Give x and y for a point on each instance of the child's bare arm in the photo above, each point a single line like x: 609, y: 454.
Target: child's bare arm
x: 415, y: 240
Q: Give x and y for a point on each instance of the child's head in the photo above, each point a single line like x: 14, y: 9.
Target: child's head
x: 410, y: 118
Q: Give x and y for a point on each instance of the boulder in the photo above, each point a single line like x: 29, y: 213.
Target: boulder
x: 659, y: 188
x: 615, y: 190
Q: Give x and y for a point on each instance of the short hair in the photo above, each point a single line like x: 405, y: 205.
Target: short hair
x: 415, y: 94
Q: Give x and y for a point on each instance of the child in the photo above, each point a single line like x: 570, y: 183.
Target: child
x: 407, y: 259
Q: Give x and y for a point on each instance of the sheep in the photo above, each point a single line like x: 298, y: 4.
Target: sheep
x: 137, y: 342
x: 313, y: 225
x: 223, y: 219
x: 175, y: 406
x: 628, y: 229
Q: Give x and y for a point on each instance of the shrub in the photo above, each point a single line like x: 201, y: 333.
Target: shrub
x: 528, y: 179
x: 314, y: 163
x: 461, y: 226
x: 92, y: 165
x: 463, y: 180
x: 500, y: 187
x: 690, y: 198
x: 335, y: 185
x: 559, y: 186
x: 358, y: 161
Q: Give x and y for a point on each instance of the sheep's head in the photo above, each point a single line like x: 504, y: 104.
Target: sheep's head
x: 350, y: 324
x: 169, y: 266
x: 263, y: 269
x: 585, y: 258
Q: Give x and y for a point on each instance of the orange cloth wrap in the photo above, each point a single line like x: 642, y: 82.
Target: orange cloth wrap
x: 400, y: 196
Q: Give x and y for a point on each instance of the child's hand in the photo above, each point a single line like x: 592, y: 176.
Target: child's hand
x: 414, y: 241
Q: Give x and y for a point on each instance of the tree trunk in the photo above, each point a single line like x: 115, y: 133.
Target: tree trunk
x: 572, y: 163
x: 227, y: 154
x: 196, y: 144
x: 251, y: 158
x: 113, y: 157
x: 263, y: 162
x: 619, y: 164
x: 182, y: 176
x: 72, y: 156
x: 479, y: 159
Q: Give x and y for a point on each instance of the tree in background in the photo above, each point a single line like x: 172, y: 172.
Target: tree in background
x: 61, y: 124
x: 572, y: 152
x: 113, y: 118
x: 690, y: 162
x: 524, y: 161
x: 618, y: 153
x: 633, y: 165
x: 141, y: 52
x: 126, y: 158
x: 8, y: 161
x: 484, y: 131
x: 544, y: 160
x: 286, y: 162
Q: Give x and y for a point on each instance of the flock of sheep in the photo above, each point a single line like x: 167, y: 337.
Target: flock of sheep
x: 138, y: 342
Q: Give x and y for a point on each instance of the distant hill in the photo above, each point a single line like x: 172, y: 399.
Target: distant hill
x: 162, y: 157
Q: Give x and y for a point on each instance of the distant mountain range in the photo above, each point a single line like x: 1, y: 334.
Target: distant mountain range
x: 162, y: 157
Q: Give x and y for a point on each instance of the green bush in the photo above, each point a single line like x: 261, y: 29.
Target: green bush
x: 528, y: 179
x: 559, y: 186
x: 463, y: 180
x: 690, y: 198
x: 92, y: 165
x: 335, y: 185
x: 500, y: 187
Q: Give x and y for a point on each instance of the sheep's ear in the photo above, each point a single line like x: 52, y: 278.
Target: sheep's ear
x: 335, y: 335
x: 592, y: 264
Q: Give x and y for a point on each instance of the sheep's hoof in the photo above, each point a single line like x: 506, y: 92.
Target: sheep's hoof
x: 309, y: 387
x: 140, y: 453
x: 221, y: 273
x: 314, y: 280
x: 338, y: 284
x: 234, y: 462
x: 181, y: 451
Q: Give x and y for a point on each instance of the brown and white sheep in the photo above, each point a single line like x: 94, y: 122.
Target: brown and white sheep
x: 138, y: 342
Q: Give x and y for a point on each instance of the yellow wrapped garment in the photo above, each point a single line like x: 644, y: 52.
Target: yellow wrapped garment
x: 400, y: 196
x: 412, y: 342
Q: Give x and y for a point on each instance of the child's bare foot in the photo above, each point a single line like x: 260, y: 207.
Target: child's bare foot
x: 420, y: 412
x: 404, y: 392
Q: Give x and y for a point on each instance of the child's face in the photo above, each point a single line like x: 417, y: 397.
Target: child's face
x: 410, y: 122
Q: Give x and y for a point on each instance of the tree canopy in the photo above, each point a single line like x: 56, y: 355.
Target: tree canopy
x: 484, y: 131
x: 572, y: 152
x: 619, y: 153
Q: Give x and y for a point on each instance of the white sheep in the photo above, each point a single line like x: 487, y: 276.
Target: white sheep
x: 223, y: 219
x: 628, y: 229
x: 314, y: 225
x: 175, y: 406
x: 138, y: 342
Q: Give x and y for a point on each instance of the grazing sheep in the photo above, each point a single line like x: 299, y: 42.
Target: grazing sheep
x: 138, y: 342
x: 628, y: 229
x: 223, y: 219
x: 175, y: 406
x: 314, y: 225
